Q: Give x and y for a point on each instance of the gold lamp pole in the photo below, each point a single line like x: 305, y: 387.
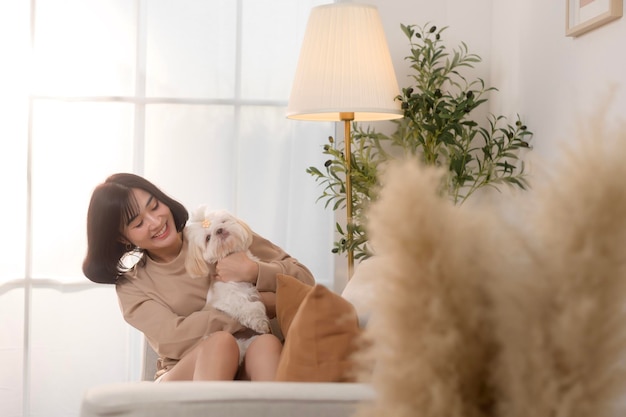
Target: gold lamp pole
x: 347, y: 118
x: 345, y: 74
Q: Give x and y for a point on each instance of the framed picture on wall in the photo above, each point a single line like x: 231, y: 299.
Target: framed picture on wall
x: 581, y: 16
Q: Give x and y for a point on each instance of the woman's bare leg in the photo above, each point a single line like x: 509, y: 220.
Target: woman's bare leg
x: 261, y: 358
x: 214, y: 358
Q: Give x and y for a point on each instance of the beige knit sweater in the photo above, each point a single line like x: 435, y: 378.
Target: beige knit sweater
x: 168, y: 306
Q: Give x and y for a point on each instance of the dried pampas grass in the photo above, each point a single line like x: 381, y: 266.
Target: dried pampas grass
x: 561, y: 313
x: 476, y: 315
x: 429, y: 333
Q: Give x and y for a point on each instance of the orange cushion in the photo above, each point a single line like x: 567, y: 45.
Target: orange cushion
x: 289, y: 295
x: 321, y: 330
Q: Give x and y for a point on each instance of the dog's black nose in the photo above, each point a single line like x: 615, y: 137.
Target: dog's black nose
x: 219, y: 231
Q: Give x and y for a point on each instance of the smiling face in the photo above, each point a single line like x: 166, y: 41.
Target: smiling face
x: 150, y: 226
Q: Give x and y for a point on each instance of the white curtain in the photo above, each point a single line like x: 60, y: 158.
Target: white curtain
x: 189, y: 93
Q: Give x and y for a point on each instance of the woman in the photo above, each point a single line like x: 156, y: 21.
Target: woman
x: 129, y: 215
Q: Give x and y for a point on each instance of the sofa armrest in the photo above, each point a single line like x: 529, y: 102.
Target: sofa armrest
x: 225, y: 398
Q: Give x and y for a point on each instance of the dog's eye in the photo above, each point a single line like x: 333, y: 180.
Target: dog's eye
x: 208, y: 238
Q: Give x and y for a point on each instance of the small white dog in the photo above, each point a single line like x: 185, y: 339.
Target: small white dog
x: 211, y: 236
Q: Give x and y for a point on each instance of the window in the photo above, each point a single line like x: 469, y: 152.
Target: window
x: 190, y: 94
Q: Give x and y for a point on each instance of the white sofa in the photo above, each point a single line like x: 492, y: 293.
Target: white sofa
x: 229, y: 398
x: 225, y: 398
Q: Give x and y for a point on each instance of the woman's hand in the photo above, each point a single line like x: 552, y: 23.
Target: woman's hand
x: 237, y: 267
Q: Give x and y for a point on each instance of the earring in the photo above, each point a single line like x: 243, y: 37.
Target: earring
x: 128, y: 247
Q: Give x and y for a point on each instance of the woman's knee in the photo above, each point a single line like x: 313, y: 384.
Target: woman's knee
x: 266, y: 344
x: 221, y: 336
x: 221, y: 347
x: 219, y: 341
x: 262, y: 357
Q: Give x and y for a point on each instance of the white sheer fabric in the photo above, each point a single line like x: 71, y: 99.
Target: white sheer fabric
x: 192, y: 95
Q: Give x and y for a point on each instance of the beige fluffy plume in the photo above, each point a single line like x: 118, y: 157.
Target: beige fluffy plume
x: 561, y: 302
x: 429, y: 333
x: 511, y: 311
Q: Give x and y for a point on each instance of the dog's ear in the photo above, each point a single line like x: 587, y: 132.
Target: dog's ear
x: 248, y: 232
x: 195, y: 265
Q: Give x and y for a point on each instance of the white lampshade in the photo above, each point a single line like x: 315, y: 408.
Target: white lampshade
x: 344, y: 67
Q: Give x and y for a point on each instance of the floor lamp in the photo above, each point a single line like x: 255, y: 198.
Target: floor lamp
x: 345, y: 74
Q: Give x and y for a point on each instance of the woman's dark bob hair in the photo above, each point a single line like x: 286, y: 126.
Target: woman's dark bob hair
x: 112, y: 204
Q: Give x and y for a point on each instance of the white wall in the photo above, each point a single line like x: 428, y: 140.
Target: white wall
x: 551, y: 80
x: 558, y: 80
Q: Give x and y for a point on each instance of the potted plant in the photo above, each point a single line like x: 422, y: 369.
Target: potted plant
x: 437, y: 128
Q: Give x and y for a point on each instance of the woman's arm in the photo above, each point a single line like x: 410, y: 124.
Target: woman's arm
x: 171, y: 335
x: 272, y: 261
x: 269, y: 299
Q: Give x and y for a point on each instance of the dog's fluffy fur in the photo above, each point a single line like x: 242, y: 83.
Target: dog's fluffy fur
x: 516, y: 310
x: 213, y: 235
